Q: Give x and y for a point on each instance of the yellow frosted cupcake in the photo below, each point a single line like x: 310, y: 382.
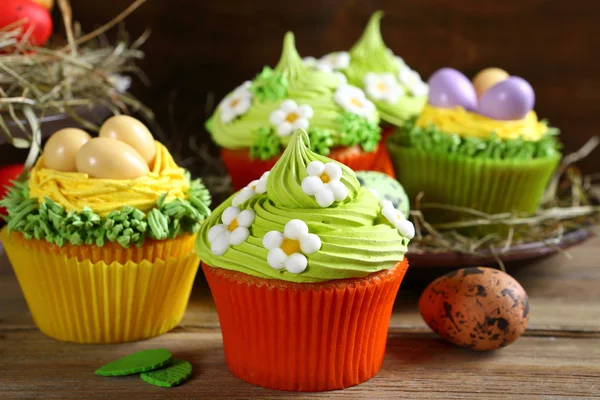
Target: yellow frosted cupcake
x: 101, y: 235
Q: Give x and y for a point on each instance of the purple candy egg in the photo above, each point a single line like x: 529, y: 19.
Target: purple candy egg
x: 449, y: 88
x: 511, y: 99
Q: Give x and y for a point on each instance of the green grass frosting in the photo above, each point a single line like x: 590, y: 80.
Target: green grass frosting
x: 47, y: 220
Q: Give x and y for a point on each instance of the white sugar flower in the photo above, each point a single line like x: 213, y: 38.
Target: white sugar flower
x: 236, y: 103
x: 352, y: 99
x: 334, y: 61
x: 412, y: 81
x: 289, y: 249
x: 323, y: 182
x: 291, y: 116
x: 258, y: 186
x: 310, y: 62
x: 396, y: 218
x: 383, y: 87
x: 232, y: 232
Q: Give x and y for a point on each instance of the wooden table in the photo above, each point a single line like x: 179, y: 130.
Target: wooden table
x: 557, y: 358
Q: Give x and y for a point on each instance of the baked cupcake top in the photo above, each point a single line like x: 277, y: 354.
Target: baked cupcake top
x: 307, y: 220
x: 121, y: 187
x: 491, y: 117
x: 397, y: 90
x: 260, y: 115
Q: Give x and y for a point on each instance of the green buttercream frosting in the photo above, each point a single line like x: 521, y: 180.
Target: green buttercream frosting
x: 356, y: 239
x: 370, y: 54
x: 128, y: 226
x: 432, y: 139
x: 290, y: 79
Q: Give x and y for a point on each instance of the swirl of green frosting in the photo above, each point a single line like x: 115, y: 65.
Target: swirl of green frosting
x: 356, y: 239
x: 370, y: 54
x: 289, y: 80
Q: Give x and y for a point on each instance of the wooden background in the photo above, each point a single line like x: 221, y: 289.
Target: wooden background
x: 201, y: 49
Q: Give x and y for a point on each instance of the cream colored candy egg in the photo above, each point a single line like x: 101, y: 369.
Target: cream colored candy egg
x: 486, y: 78
x: 107, y: 158
x: 131, y: 131
x: 60, y: 149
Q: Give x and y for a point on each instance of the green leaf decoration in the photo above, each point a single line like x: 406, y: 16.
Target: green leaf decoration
x: 173, y: 374
x: 355, y: 129
x: 128, y: 226
x: 266, y: 144
x: 145, y: 360
x: 432, y: 139
x: 269, y: 86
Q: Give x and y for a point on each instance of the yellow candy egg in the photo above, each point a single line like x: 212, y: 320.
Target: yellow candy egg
x: 131, y: 131
x: 486, y: 78
x: 60, y: 149
x: 107, y: 158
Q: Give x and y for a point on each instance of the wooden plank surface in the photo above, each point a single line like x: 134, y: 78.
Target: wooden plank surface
x: 558, y: 358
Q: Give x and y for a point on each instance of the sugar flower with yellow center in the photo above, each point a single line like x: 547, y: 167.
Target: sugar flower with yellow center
x: 323, y: 182
x: 291, y: 116
x: 232, y: 232
x: 258, y: 186
x: 289, y: 249
x: 237, y: 103
x: 397, y: 219
x: 383, y: 87
x: 353, y: 100
x: 412, y: 81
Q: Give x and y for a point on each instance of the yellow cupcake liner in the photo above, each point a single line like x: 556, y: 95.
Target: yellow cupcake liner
x: 76, y: 300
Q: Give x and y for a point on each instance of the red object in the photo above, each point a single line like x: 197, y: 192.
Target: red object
x: 243, y: 170
x: 304, y: 337
x: 8, y: 173
x: 36, y: 18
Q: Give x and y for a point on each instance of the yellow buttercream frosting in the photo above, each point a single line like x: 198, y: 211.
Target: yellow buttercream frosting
x: 74, y: 190
x: 467, y: 124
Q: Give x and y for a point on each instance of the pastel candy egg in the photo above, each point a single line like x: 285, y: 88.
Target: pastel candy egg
x: 478, y: 308
x: 508, y: 100
x: 449, y: 88
x: 131, y: 131
x: 385, y: 188
x: 60, y: 149
x: 107, y: 158
x: 486, y: 78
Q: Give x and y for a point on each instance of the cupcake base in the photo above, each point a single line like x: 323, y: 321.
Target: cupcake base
x: 243, y: 170
x: 304, y: 337
x: 87, y: 294
x: 488, y: 185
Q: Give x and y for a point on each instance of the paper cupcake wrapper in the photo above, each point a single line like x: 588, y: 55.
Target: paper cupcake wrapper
x: 76, y: 300
x: 304, y: 337
x: 243, y: 170
x: 491, y: 186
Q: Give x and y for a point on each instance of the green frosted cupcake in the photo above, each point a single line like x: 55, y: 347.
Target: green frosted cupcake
x: 397, y: 91
x: 491, y: 154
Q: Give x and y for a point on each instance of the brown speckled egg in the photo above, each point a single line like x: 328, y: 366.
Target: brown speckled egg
x: 478, y: 308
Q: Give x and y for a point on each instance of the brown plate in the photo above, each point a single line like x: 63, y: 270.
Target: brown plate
x: 522, y: 252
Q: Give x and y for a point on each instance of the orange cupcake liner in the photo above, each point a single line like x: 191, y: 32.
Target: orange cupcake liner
x: 304, y: 337
x: 243, y: 170
x: 89, y: 294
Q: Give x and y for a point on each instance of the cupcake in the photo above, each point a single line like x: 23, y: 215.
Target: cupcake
x: 254, y: 123
x: 477, y: 145
x: 396, y: 90
x: 304, y: 267
x: 101, y: 235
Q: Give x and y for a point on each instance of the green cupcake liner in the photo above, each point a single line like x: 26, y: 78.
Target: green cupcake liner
x: 489, y: 185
